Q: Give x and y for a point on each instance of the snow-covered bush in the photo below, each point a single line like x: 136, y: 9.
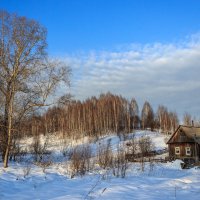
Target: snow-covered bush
x: 105, y: 155
x: 39, y: 148
x: 80, y: 160
x: 120, y: 163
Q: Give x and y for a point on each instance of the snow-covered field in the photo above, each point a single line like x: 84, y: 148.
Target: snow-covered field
x: 157, y: 181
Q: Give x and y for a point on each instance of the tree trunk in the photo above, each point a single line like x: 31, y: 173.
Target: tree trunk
x: 8, y: 124
x: 9, y: 135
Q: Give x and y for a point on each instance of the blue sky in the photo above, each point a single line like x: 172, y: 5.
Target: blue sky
x: 147, y: 49
x: 84, y: 25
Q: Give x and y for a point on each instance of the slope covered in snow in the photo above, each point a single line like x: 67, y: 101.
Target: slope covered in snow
x: 157, y: 180
x: 164, y: 181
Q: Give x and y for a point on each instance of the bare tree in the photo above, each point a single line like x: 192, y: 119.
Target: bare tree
x: 147, y: 116
x: 120, y: 163
x: 145, y: 145
x: 187, y: 119
x: 162, y: 117
x: 167, y: 121
x: 105, y: 155
x: 174, y: 121
x: 27, y: 76
x: 134, y: 113
x: 80, y: 160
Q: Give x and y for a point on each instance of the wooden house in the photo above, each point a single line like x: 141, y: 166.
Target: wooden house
x: 185, y: 144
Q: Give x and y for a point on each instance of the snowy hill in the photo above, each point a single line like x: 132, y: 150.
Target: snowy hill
x: 155, y: 181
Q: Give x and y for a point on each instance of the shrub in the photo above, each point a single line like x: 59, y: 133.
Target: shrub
x: 105, y: 155
x: 80, y: 160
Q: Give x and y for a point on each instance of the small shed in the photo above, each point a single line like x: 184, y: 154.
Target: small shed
x: 185, y: 143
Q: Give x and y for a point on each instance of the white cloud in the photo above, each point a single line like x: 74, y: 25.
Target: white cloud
x: 161, y: 73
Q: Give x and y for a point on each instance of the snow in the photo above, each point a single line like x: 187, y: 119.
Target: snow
x: 157, y: 138
x: 58, y: 144
x: 166, y: 181
x: 158, y: 181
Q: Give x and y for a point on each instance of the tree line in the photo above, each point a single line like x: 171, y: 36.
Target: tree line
x: 97, y: 116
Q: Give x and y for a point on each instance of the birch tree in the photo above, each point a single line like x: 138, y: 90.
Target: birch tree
x: 187, y: 119
x: 134, y: 113
x: 147, y: 116
x: 27, y: 76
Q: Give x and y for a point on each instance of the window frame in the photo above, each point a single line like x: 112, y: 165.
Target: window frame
x: 186, y: 151
x: 177, y: 151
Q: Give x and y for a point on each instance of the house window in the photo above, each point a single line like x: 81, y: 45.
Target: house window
x: 187, y: 151
x: 177, y: 150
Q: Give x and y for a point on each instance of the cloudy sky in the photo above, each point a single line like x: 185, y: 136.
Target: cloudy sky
x: 160, y: 73
x: 146, y: 49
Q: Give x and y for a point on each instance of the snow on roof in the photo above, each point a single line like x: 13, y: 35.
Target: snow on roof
x: 192, y: 132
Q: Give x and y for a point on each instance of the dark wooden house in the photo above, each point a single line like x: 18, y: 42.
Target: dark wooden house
x: 185, y: 143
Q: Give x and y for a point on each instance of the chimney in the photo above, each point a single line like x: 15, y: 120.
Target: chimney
x: 192, y: 123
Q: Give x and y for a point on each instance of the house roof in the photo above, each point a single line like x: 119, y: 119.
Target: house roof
x: 192, y: 133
